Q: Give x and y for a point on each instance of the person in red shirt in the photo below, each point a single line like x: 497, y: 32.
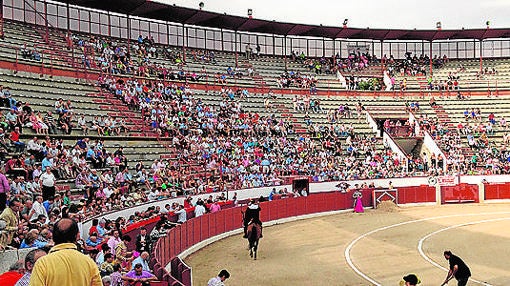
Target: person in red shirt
x: 12, y: 276
x: 20, y: 146
x: 492, y: 118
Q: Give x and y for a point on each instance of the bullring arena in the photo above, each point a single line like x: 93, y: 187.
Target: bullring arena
x: 133, y: 114
x: 374, y: 248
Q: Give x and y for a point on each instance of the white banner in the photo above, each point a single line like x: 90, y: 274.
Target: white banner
x: 447, y: 180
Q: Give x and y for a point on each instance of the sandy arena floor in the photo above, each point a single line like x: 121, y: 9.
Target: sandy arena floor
x: 374, y: 248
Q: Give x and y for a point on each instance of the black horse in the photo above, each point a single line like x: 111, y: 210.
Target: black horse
x: 254, y: 232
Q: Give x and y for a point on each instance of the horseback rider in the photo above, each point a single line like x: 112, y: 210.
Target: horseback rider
x: 252, y: 215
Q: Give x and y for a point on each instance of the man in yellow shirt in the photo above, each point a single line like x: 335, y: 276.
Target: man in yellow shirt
x: 65, y: 265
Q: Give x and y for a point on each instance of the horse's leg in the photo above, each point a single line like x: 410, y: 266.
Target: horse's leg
x: 250, y: 247
x: 255, y: 246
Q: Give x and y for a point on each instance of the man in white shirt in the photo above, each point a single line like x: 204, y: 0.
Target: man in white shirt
x: 166, y: 209
x: 153, y: 195
x: 218, y: 281
x: 199, y: 208
x: 34, y: 148
x: 37, y: 209
x: 37, y: 171
x: 108, y: 190
x: 47, y: 180
x: 181, y: 212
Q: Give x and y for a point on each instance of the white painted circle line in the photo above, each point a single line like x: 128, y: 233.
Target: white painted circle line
x: 347, y: 252
x: 422, y: 253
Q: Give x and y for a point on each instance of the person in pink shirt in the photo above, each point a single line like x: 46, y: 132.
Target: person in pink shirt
x: 215, y: 207
x: 114, y: 240
x: 4, y: 189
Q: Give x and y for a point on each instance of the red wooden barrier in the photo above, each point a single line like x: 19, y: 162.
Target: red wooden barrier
x: 497, y: 191
x: 459, y: 194
x: 419, y: 194
x: 206, y: 226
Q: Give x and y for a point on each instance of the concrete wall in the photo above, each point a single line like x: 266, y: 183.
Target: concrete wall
x: 7, y: 258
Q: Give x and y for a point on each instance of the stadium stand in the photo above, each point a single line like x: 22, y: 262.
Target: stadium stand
x: 125, y: 123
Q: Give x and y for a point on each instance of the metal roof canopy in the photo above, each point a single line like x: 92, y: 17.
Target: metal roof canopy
x: 182, y: 15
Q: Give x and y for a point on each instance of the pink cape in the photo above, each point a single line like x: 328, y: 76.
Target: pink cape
x: 358, y: 208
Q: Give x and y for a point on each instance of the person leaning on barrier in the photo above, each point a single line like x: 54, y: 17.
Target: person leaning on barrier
x: 157, y: 232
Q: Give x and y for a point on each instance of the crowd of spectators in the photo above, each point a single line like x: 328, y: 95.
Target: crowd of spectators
x: 115, y: 255
x: 470, y: 146
x: 200, y: 132
x: 238, y: 148
x: 355, y: 62
x: 411, y: 65
x: 306, y: 103
x: 296, y: 79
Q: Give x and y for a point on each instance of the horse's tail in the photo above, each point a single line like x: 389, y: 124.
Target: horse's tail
x: 253, y: 232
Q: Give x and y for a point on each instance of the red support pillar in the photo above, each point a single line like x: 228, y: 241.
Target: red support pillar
x: 430, y: 59
x: 1, y: 19
x: 481, y: 55
x: 128, y: 32
x: 184, y: 35
x: 381, y: 56
x: 47, y: 31
x: 235, y: 47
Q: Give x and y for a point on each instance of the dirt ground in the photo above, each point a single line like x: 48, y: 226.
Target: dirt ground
x: 387, y: 246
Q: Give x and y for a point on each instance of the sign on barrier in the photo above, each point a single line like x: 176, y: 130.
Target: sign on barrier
x: 447, y: 180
